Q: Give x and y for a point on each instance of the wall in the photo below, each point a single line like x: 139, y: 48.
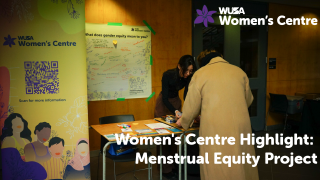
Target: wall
x: 171, y: 20
x: 297, y: 49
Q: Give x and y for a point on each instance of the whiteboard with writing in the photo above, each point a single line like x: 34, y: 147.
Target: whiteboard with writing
x: 118, y: 62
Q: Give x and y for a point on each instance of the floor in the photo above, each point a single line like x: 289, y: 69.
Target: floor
x: 266, y: 171
x: 282, y: 171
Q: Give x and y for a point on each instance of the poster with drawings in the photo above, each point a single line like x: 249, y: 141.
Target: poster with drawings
x: 118, y: 62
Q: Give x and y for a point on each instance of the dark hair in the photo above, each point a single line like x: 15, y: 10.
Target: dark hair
x: 7, y: 128
x: 185, y: 61
x: 42, y: 125
x: 211, y: 48
x: 82, y: 141
x: 206, y: 52
x: 205, y: 56
x: 55, y: 140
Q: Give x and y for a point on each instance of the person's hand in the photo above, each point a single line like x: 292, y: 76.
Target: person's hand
x: 178, y: 114
x: 179, y: 122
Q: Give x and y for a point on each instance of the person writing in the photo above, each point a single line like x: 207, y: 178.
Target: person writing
x: 173, y: 80
x: 221, y: 92
x: 169, y: 103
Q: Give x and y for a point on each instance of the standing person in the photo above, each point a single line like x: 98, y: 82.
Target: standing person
x: 221, y: 92
x: 173, y: 80
x: 169, y: 103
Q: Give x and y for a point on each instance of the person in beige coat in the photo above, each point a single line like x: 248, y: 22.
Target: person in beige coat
x: 221, y: 92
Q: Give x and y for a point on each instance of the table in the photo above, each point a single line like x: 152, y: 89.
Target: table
x: 104, y: 129
x: 184, y: 132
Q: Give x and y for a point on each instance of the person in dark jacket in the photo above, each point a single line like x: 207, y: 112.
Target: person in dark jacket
x: 173, y: 80
x: 169, y: 103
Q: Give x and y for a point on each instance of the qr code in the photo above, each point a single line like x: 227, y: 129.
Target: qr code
x: 41, y: 77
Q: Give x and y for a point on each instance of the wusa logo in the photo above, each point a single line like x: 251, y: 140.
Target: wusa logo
x: 204, y: 16
x: 9, y: 41
x: 226, y: 19
x: 29, y: 41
